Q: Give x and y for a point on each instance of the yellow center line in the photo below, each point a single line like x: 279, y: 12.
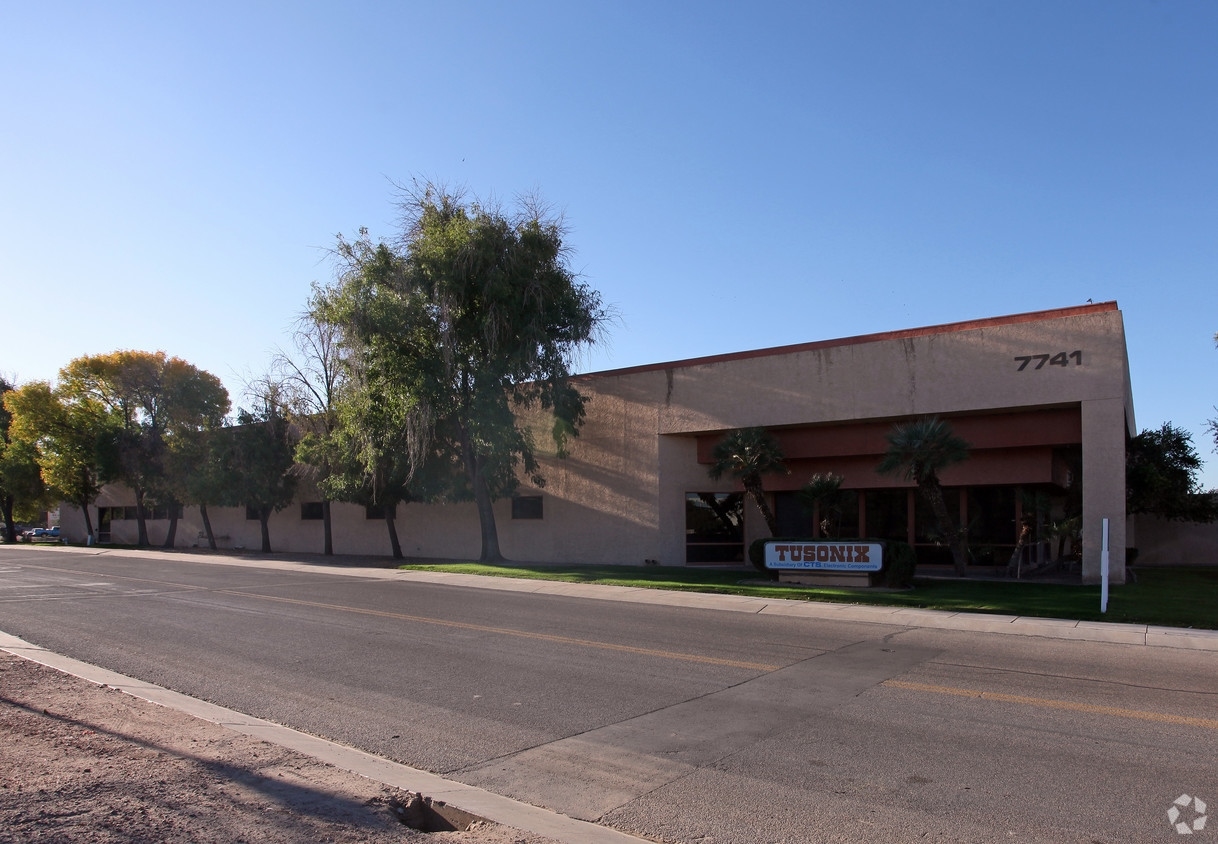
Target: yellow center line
x: 524, y: 634
x: 1068, y: 705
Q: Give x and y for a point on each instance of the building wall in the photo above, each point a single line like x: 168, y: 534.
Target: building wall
x: 947, y: 370
x: 1163, y: 543
x: 619, y: 497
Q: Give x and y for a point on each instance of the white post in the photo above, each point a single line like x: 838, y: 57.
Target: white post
x: 1104, y: 571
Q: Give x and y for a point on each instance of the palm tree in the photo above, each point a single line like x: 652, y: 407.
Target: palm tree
x: 823, y: 492
x: 918, y: 451
x: 747, y: 454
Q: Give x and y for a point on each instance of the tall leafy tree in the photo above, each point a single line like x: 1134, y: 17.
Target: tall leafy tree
x: 475, y: 315
x: 383, y: 431
x: 198, y: 405
x: 748, y: 454
x: 386, y: 447
x: 1161, y: 469
x: 372, y: 457
x: 312, y: 380
x: 196, y: 464
x: 918, y: 451
x: 156, y: 398
x: 75, y: 438
x: 22, y: 490
x: 259, y: 453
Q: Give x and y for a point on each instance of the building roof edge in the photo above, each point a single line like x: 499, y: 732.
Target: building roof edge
x: 902, y: 334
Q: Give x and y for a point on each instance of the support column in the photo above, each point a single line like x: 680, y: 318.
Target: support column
x: 1103, y: 487
x: 678, y: 473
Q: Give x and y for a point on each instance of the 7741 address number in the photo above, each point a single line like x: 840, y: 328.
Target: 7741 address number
x: 1074, y: 358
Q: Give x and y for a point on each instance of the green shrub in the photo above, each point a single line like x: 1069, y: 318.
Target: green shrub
x: 757, y: 553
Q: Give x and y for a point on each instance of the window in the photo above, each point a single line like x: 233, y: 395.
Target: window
x: 251, y: 513
x: 311, y: 511
x: 104, y: 516
x: 377, y: 511
x: 130, y: 514
x: 526, y: 507
x: 836, y: 517
x: 926, y: 525
x: 991, y: 515
x: 992, y: 530
x: 887, y: 514
x: 791, y: 516
x: 714, y: 527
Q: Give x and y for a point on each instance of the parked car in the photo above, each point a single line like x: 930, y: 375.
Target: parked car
x: 41, y: 533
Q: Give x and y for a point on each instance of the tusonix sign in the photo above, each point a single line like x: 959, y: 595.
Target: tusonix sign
x: 825, y: 556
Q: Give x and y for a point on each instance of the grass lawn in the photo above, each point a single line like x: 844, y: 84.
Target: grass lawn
x: 1171, y: 597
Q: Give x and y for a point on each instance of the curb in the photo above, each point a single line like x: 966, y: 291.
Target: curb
x: 493, y: 807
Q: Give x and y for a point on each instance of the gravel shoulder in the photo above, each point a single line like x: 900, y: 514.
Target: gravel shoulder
x: 86, y: 763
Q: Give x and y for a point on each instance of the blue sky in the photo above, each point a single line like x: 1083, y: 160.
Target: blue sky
x: 734, y: 176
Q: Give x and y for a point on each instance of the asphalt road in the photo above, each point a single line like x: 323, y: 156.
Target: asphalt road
x: 670, y: 722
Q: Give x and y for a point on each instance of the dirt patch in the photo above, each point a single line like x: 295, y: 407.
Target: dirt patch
x: 86, y: 763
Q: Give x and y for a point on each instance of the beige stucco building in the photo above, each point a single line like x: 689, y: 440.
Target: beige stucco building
x: 1043, y: 399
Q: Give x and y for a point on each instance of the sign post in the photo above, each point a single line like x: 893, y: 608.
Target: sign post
x: 1104, y: 571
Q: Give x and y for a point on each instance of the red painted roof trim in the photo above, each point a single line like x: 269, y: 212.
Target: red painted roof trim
x: 946, y: 328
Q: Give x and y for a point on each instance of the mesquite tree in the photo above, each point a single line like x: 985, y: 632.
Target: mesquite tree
x: 473, y: 316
